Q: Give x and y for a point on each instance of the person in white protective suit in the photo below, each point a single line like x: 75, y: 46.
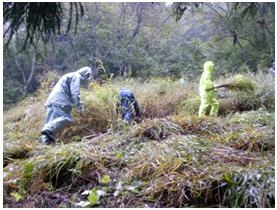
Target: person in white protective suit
x: 63, y: 97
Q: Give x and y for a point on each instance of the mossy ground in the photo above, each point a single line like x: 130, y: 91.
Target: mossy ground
x: 168, y: 157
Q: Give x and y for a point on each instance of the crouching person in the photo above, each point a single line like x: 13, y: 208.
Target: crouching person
x: 63, y: 97
x: 124, y: 105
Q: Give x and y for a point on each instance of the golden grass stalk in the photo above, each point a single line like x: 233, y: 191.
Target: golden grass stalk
x: 242, y: 85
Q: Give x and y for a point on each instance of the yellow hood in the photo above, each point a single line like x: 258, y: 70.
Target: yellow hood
x: 208, y: 66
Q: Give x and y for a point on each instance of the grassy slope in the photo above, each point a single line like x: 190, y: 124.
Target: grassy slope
x: 169, y: 157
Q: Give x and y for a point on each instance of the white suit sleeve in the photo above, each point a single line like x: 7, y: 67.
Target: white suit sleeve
x: 75, y: 92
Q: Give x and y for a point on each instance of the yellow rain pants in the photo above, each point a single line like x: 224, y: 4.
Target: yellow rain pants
x: 207, y: 98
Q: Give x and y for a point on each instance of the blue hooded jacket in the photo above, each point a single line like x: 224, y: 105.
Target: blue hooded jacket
x: 127, y: 98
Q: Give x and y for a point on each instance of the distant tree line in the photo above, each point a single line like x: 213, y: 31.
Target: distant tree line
x: 133, y: 39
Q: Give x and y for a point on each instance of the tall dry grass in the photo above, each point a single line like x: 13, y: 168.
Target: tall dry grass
x: 168, y: 157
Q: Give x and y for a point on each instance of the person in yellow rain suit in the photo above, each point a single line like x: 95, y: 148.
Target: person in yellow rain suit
x: 207, y: 97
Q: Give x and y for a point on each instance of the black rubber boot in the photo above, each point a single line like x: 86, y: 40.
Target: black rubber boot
x: 49, y: 136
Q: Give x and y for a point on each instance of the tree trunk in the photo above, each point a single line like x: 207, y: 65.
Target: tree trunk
x: 94, y: 48
x: 74, y: 51
x: 26, y: 82
x: 125, y: 70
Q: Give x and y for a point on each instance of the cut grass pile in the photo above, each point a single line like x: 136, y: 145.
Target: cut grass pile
x: 239, y: 83
x: 168, y: 158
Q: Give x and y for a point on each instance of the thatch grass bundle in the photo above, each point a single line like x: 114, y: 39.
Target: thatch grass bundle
x: 240, y: 84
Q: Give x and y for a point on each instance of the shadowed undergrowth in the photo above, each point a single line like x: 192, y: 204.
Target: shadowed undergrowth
x: 168, y: 157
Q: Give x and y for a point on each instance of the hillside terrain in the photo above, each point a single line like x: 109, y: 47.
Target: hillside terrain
x: 166, y: 157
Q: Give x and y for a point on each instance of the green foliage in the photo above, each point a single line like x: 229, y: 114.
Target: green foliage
x: 12, y: 92
x: 16, y: 196
x: 27, y: 171
x: 251, y: 189
x: 106, y: 179
x: 40, y: 19
x: 180, y: 7
x: 92, y: 198
x: 143, y: 40
x: 48, y: 80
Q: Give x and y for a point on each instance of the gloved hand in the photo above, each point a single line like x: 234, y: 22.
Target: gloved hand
x: 81, y: 111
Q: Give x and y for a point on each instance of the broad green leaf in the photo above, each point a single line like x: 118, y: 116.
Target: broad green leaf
x: 106, y: 179
x: 92, y: 198
x: 17, y: 196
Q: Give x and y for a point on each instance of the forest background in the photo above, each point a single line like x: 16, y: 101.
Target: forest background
x: 142, y: 40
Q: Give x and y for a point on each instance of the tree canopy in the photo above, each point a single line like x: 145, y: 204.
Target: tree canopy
x: 135, y: 39
x: 40, y: 20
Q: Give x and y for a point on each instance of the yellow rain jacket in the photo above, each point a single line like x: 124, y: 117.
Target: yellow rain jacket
x: 207, y: 98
